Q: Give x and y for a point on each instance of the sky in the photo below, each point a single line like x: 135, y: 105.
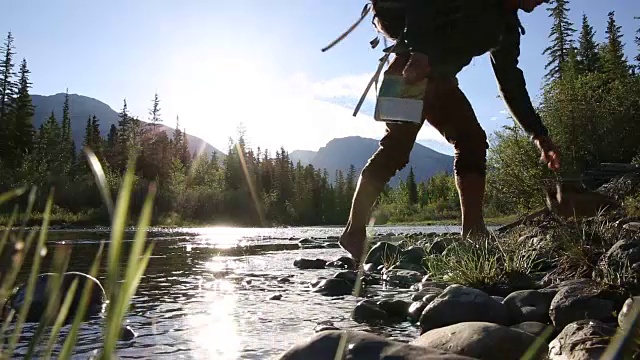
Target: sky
x: 219, y: 64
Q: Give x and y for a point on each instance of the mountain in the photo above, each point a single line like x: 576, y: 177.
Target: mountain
x: 339, y: 154
x: 304, y: 156
x: 82, y: 107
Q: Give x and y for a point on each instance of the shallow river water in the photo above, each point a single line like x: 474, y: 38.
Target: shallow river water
x: 206, y: 296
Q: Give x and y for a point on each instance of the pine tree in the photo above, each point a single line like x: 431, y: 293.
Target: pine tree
x: 412, y: 187
x: 154, y: 112
x: 613, y: 58
x: 587, y: 52
x: 7, y: 94
x: 23, y: 130
x: 67, y: 148
x: 177, y: 140
x: 637, y: 41
x: 122, y: 149
x: 111, y: 147
x: 96, y: 137
x: 561, y: 39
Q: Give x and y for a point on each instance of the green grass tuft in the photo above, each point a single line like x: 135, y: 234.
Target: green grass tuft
x: 122, y: 280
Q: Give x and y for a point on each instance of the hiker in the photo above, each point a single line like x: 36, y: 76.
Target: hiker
x: 442, y: 37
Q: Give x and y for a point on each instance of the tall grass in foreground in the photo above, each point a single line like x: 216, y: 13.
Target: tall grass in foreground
x: 120, y: 285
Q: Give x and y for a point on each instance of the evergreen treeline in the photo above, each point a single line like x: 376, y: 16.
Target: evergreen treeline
x: 247, y: 186
x: 590, y: 103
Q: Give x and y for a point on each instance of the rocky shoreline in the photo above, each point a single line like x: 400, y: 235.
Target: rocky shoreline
x: 551, y: 288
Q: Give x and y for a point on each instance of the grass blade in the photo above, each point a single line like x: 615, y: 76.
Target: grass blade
x: 37, y: 257
x: 80, y: 314
x: 11, y: 194
x: 62, y: 315
x: 135, y: 269
x: 58, y: 268
x: 101, y: 179
x: 7, y: 232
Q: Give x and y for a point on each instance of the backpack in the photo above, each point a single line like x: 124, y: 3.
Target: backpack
x: 449, y: 28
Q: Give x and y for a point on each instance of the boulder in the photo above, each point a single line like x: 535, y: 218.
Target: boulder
x: 42, y: 296
x: 481, y: 340
x: 359, y: 345
x: 458, y: 304
x: 582, y: 339
x: 529, y: 305
x: 581, y: 300
x: 306, y: 264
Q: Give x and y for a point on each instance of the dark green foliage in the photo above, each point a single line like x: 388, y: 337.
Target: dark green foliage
x: 587, y: 52
x: 592, y: 111
x: 637, y: 41
x: 614, y: 61
x: 561, y: 36
x: 8, y: 89
x: 22, y: 131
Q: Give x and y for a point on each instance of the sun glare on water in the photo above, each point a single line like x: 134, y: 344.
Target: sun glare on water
x: 222, y: 237
x: 214, y: 330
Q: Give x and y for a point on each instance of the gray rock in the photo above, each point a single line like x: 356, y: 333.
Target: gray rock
x: 633, y: 226
x: 349, y: 275
x: 426, y: 291
x: 306, y: 264
x: 622, y: 259
x: 429, y: 284
x: 395, y: 309
x: 360, y: 345
x: 529, y: 305
x: 583, y: 339
x: 439, y: 246
x: 343, y: 262
x: 310, y: 244
x: 498, y: 298
x: 578, y: 301
x: 127, y: 333
x: 334, y: 287
x: 413, y: 255
x: 481, y: 340
x: 403, y: 265
x: 417, y: 307
x: 401, y: 278
x: 381, y: 252
x: 41, y: 296
x: 532, y: 327
x: 627, y: 310
x: 367, y: 311
x: 275, y: 297
x: 462, y: 304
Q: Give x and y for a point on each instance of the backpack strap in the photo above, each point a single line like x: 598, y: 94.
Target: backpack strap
x: 365, y: 11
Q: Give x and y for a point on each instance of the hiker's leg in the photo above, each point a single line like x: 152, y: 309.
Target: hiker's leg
x: 448, y: 110
x: 392, y: 155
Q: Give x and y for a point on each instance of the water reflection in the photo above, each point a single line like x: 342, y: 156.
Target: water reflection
x: 207, y: 296
x: 212, y: 324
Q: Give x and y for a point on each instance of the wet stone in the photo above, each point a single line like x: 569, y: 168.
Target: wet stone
x: 334, y: 287
x: 307, y: 264
x: 367, y: 311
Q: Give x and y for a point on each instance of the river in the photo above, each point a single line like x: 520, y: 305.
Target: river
x: 187, y: 307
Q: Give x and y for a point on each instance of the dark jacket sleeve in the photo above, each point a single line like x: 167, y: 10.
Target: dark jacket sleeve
x: 511, y: 82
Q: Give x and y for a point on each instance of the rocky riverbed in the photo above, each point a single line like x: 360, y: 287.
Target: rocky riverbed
x: 551, y: 307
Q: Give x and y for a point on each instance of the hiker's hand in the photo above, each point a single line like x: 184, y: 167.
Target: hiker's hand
x: 529, y: 5
x: 548, y: 152
x: 417, y: 68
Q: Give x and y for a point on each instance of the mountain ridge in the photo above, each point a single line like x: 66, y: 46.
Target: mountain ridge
x: 82, y: 107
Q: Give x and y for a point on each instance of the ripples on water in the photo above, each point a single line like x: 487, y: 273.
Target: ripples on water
x: 206, y: 296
